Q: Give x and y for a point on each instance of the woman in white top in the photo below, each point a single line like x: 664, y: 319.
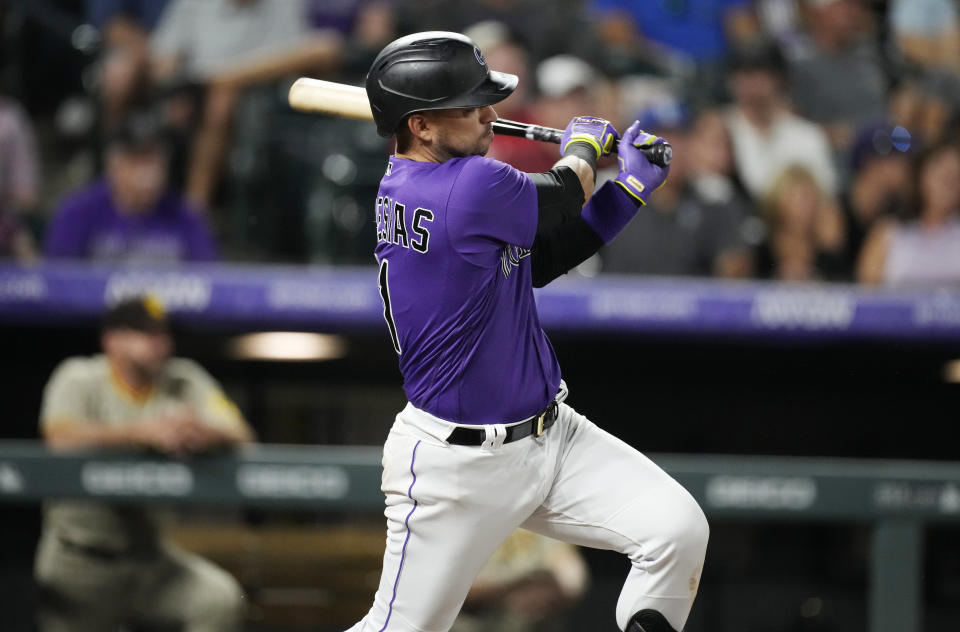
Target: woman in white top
x: 927, y: 249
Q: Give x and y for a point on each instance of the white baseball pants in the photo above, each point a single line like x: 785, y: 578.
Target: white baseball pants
x: 449, y: 507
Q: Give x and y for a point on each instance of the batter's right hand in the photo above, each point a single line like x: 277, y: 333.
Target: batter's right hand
x: 596, y: 133
x: 638, y: 176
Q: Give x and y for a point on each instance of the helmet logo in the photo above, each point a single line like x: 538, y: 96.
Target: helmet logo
x: 479, y: 56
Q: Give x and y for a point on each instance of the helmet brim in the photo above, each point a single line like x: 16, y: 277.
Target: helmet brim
x: 494, y: 89
x: 497, y: 87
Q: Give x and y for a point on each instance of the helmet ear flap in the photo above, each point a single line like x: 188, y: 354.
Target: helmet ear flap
x: 433, y: 70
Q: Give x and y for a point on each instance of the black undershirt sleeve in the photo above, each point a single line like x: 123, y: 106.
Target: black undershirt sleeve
x: 564, y: 240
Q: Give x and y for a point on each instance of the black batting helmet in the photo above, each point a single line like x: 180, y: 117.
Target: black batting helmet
x: 431, y: 71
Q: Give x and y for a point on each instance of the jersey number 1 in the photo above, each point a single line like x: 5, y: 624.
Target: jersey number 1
x: 387, y: 309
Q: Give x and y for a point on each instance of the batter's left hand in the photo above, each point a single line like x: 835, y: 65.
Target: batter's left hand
x: 638, y: 176
x: 595, y: 132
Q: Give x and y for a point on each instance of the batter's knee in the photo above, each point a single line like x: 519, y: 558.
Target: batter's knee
x: 680, y: 534
x: 696, y: 530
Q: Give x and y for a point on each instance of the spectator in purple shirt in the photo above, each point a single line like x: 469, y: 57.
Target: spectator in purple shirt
x: 131, y: 215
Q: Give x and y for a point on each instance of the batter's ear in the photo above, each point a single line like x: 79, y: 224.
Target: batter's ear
x: 420, y: 127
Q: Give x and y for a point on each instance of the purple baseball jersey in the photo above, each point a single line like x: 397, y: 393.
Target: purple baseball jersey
x: 88, y: 225
x: 453, y: 245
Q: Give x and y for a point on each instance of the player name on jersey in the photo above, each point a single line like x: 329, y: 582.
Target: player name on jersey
x: 392, y: 225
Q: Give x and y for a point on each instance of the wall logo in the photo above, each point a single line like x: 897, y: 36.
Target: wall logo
x: 292, y: 481
x: 23, y: 287
x: 811, y: 310
x: 178, y: 292
x: 136, y: 479
x: 761, y: 492
x: 950, y: 500
x: 651, y: 306
x: 320, y: 296
x: 912, y: 496
x: 941, y: 310
x: 11, y: 480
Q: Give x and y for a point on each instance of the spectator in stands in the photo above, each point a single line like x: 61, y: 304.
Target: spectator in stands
x: 366, y: 26
x: 16, y: 240
x: 548, y: 27
x: 229, y: 46
x: 880, y: 180
x: 767, y: 137
x: 713, y: 183
x: 805, y: 236
x: 103, y: 566
x: 687, y: 229
x: 782, y: 22
x: 925, y: 106
x: 926, y: 249
x: 125, y: 27
x: 838, y: 80
x: 690, y: 39
x: 131, y: 215
x: 19, y: 169
x: 507, y: 54
x: 525, y: 586
x: 926, y: 33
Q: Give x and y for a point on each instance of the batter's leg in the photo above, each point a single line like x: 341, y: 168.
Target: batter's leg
x: 607, y: 495
x: 448, y: 509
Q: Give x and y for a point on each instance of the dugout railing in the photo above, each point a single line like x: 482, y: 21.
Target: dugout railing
x: 897, y: 498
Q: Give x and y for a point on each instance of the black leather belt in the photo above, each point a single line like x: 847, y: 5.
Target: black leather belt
x: 536, y: 425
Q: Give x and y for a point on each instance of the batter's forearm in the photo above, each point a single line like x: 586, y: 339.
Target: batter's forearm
x: 584, y: 171
x: 563, y: 246
x: 609, y: 210
x: 560, y: 250
x: 563, y: 240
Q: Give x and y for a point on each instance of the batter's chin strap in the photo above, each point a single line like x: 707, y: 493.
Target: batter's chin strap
x: 648, y: 621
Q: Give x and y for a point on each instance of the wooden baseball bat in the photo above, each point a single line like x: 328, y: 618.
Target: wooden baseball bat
x: 326, y: 97
x: 338, y: 99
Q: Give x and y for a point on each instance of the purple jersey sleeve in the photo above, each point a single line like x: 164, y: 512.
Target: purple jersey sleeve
x: 491, y: 204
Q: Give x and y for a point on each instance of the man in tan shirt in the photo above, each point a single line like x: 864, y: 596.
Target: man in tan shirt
x: 99, y: 565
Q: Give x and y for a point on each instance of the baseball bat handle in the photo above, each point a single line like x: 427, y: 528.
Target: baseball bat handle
x: 527, y: 130
x: 660, y: 154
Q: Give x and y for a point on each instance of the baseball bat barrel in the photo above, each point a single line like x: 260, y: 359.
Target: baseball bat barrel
x: 660, y: 154
x: 326, y: 97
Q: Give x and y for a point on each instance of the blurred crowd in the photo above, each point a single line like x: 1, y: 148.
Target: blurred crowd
x: 815, y: 140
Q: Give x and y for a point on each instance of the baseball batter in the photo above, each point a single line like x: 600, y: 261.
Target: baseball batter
x: 486, y: 442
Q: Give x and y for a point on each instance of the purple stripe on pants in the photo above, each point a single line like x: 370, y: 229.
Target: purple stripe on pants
x: 406, y: 524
